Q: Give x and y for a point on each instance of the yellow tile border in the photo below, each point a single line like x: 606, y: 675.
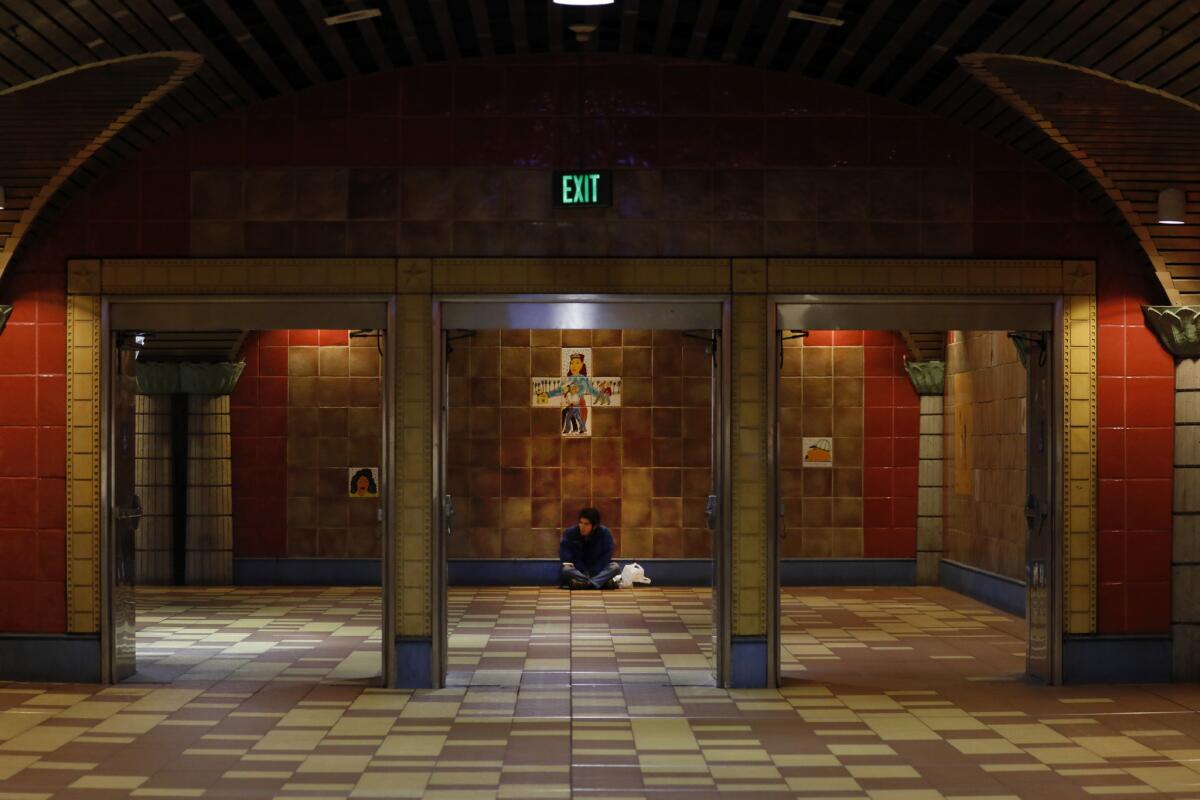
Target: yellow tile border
x: 249, y: 275
x: 83, y: 463
x: 1079, y: 463
x: 927, y: 276
x: 584, y: 275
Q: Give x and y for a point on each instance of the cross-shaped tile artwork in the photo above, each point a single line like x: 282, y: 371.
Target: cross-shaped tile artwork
x: 575, y: 392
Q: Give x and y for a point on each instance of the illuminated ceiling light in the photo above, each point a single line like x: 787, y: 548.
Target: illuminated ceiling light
x: 1170, y: 207
x: 584, y: 2
x: 353, y: 16
x: 817, y: 18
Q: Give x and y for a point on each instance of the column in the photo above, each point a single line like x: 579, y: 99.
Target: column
x: 1176, y: 329
x: 928, y: 378
x: 152, y: 481
x: 210, y: 492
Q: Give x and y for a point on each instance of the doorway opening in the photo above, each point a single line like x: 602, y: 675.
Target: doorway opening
x: 246, y: 478
x: 918, y: 475
x: 550, y: 408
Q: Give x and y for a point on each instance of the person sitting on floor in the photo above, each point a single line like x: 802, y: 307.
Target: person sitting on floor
x: 586, y: 554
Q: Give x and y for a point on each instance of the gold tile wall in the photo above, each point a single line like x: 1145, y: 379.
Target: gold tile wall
x: 821, y: 395
x: 334, y: 423
x: 985, y: 455
x: 647, y: 465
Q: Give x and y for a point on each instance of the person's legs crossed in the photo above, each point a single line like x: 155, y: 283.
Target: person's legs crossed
x: 572, y: 578
x: 604, y: 576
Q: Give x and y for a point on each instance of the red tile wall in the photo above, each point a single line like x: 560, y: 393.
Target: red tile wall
x: 258, y: 434
x: 1135, y: 415
x: 709, y: 158
x: 33, y: 453
x: 891, y: 431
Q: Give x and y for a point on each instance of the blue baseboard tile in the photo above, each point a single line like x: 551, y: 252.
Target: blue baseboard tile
x: 748, y: 662
x: 997, y: 591
x: 544, y: 571
x: 307, y: 572
x: 50, y: 658
x: 414, y: 664
x: 848, y: 572
x: 1116, y: 659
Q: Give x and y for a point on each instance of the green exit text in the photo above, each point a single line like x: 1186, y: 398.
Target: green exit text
x: 582, y: 189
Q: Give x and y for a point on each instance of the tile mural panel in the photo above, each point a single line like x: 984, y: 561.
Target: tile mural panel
x: 575, y: 393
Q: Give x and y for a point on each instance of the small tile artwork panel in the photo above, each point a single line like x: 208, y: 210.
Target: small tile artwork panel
x: 575, y: 392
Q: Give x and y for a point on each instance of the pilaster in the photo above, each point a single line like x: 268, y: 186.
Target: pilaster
x: 1176, y: 327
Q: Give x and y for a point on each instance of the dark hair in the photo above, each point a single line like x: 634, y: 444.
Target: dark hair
x: 591, y: 515
x: 369, y: 475
x: 582, y: 366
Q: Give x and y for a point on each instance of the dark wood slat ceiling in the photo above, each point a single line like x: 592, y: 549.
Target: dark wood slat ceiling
x: 905, y: 50
x: 1133, y: 141
x: 50, y: 127
x: 925, y: 345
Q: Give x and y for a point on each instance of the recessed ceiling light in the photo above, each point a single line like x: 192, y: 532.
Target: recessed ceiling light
x: 817, y: 18
x: 584, y: 2
x: 353, y: 16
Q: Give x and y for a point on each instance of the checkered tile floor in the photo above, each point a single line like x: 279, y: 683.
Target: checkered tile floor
x: 503, y: 636
x: 307, y: 736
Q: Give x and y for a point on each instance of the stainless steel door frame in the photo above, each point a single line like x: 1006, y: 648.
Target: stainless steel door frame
x: 883, y: 312
x: 212, y: 313
x: 903, y: 312
x: 440, y: 569
x: 1041, y: 560
x: 723, y: 541
x: 596, y: 312
x: 774, y: 604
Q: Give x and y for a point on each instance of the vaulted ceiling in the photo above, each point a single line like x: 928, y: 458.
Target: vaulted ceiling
x: 906, y: 50
x: 52, y: 125
x: 1132, y: 140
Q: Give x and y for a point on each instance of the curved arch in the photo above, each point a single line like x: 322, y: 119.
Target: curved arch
x: 1131, y: 138
x: 39, y: 150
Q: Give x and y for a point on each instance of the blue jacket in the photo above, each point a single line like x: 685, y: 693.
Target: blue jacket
x: 589, y: 554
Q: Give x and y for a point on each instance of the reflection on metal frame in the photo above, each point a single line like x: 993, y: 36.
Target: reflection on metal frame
x: 549, y: 313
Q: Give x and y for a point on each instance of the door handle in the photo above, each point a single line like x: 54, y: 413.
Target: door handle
x: 448, y: 513
x: 131, y: 515
x: 710, y: 509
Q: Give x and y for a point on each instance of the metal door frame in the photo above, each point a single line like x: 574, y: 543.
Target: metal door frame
x: 986, y: 306
x: 211, y: 307
x: 541, y: 307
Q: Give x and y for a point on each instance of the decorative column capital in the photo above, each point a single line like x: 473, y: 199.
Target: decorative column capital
x: 928, y: 377
x: 5, y: 313
x: 1178, y: 328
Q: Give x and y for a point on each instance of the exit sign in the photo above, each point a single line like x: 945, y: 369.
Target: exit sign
x: 583, y: 189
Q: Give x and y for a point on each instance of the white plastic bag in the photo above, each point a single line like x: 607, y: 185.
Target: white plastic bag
x: 631, y: 574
